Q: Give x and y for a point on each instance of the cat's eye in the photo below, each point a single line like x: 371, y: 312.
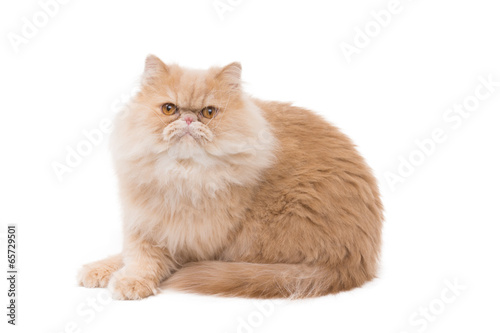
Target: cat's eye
x: 209, y: 112
x: 168, y: 109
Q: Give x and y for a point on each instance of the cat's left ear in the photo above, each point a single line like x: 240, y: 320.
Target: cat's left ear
x: 153, y: 68
x: 231, y: 75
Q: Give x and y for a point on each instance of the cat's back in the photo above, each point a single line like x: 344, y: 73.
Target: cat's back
x: 315, y: 158
x: 309, y: 143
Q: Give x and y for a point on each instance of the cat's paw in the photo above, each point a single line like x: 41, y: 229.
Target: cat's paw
x: 126, y: 287
x: 95, y: 275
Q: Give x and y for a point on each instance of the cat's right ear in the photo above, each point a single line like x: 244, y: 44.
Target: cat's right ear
x: 153, y: 68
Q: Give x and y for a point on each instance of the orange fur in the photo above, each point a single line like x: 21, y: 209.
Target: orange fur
x: 263, y: 200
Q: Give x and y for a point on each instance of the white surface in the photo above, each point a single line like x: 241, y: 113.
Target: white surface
x: 441, y: 225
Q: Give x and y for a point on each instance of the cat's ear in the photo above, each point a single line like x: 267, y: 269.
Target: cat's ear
x: 153, y: 69
x: 231, y: 75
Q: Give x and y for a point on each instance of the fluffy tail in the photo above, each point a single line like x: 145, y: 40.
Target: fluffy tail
x: 261, y: 280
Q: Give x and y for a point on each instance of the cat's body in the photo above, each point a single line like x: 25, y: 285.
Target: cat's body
x: 262, y: 199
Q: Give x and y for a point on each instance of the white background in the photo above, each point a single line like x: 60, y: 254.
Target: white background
x: 441, y: 222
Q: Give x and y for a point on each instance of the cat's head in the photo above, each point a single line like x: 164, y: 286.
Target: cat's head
x: 187, y: 114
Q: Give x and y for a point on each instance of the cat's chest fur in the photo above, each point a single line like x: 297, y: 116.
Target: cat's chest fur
x: 190, y: 209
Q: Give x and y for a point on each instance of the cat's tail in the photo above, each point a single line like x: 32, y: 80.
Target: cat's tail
x: 261, y: 280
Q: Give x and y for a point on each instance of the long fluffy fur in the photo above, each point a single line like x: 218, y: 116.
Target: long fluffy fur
x: 264, y: 200
x: 260, y: 280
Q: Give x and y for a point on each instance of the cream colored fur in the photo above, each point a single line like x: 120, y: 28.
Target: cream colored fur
x: 263, y: 200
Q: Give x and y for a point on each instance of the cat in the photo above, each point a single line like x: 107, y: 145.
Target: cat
x: 225, y: 194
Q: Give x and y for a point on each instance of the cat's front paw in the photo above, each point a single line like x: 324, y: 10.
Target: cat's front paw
x: 95, y: 275
x: 129, y: 287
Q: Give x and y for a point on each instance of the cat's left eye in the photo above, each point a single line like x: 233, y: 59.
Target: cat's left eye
x: 209, y: 112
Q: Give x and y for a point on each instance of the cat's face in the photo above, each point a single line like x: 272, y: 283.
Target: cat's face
x: 190, y: 114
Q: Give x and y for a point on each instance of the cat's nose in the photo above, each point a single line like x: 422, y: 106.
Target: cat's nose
x: 188, y: 119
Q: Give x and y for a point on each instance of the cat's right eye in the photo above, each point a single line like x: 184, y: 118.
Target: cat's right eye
x: 168, y: 109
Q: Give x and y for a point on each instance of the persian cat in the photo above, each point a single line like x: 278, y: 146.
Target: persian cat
x: 229, y: 195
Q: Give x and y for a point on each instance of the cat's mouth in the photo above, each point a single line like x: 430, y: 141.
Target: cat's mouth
x: 182, y: 132
x: 187, y: 136
x: 187, y: 133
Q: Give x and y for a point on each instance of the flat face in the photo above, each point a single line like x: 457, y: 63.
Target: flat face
x: 188, y: 111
